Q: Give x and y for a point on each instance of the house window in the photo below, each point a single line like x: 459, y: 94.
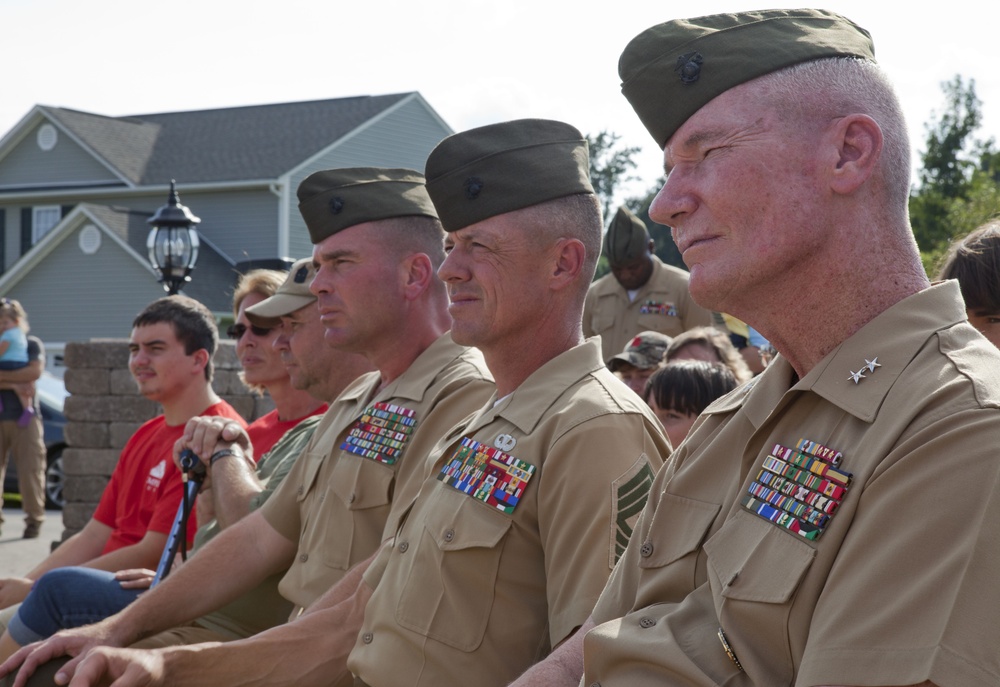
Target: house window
x: 44, y: 217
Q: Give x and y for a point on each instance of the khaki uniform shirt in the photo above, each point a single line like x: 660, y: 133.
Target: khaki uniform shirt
x: 663, y: 304
x: 506, y: 557
x: 839, y: 529
x: 262, y: 607
x: 335, y: 500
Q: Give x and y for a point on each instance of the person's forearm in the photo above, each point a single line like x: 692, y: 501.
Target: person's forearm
x: 30, y: 373
x: 224, y: 569
x: 76, y: 550
x: 311, y: 650
x: 234, y: 484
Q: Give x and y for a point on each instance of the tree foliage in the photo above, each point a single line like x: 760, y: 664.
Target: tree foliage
x: 959, y: 175
x: 610, y: 166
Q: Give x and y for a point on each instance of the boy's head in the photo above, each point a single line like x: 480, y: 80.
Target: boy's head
x: 193, y: 324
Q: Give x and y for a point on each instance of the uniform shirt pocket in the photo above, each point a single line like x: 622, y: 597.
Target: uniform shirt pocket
x: 448, y: 594
x: 678, y: 528
x: 602, y: 318
x: 757, y: 561
x: 756, y: 568
x: 354, y: 512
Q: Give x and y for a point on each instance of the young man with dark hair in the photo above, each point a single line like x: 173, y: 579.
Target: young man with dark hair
x: 170, y: 352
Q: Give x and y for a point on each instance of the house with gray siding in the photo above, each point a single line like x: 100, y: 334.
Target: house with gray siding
x: 76, y: 189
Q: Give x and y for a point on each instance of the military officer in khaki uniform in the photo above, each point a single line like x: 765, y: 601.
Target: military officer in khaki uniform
x: 529, y: 502
x: 641, y: 293
x: 833, y: 521
x: 378, y: 244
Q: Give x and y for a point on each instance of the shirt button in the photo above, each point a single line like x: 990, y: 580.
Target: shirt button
x: 301, y: 491
x: 646, y: 550
x: 367, y: 638
x: 403, y: 546
x: 352, y: 498
x: 595, y: 684
x: 646, y: 622
x: 449, y: 535
x: 304, y: 557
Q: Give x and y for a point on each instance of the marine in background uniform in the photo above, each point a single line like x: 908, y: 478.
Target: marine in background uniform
x: 640, y: 293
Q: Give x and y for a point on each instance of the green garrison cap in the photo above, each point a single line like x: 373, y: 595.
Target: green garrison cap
x: 499, y: 168
x: 291, y: 295
x: 671, y: 70
x: 334, y: 199
x: 627, y: 237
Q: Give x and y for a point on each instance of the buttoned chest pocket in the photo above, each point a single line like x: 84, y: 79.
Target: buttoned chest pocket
x: 602, y: 318
x: 757, y: 568
x: 314, y: 462
x: 354, y: 511
x: 448, y: 595
x: 671, y: 548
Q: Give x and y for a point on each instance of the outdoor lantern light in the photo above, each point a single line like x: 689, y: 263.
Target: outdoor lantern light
x: 173, y: 243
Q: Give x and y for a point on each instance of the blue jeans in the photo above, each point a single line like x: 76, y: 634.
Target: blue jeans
x: 68, y: 597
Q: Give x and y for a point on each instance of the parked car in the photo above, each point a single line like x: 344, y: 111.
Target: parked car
x: 51, y: 395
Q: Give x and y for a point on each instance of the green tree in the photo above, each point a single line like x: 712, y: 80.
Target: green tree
x: 958, y: 180
x: 611, y: 165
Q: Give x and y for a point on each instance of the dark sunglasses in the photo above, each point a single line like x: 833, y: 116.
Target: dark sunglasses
x: 236, y: 331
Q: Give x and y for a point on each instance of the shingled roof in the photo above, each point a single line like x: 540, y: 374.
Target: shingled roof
x: 230, y: 144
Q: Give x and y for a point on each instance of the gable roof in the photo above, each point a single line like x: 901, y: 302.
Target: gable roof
x: 229, y: 144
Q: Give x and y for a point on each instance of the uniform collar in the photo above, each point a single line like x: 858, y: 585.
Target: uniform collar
x: 879, y: 351
x: 416, y: 379
x: 536, y: 394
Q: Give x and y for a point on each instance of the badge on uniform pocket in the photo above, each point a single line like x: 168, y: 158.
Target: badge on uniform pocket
x: 488, y: 474
x: 380, y: 434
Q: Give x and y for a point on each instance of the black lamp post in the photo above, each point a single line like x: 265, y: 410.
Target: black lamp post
x: 173, y: 243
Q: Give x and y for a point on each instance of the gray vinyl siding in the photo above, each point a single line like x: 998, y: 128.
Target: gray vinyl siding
x: 66, y: 163
x: 404, y: 138
x: 71, y: 296
x: 241, y: 224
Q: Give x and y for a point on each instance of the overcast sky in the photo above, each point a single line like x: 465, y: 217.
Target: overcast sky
x: 475, y: 62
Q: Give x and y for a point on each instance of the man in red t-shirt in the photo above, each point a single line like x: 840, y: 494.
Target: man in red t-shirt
x: 170, y: 357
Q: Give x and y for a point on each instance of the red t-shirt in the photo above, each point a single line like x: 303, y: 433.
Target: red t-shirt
x: 146, y: 487
x: 266, y: 430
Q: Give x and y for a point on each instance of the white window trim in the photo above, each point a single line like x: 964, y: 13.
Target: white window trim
x: 40, y: 211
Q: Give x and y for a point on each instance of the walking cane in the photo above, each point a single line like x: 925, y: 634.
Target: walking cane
x: 192, y: 474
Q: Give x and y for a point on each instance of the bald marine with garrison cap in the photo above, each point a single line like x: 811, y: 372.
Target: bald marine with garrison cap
x: 641, y: 293
x: 830, y: 522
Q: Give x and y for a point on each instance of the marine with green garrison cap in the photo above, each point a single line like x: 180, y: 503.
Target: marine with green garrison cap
x: 528, y: 501
x: 794, y: 537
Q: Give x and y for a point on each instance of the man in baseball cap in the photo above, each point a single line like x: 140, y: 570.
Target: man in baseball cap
x: 642, y: 356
